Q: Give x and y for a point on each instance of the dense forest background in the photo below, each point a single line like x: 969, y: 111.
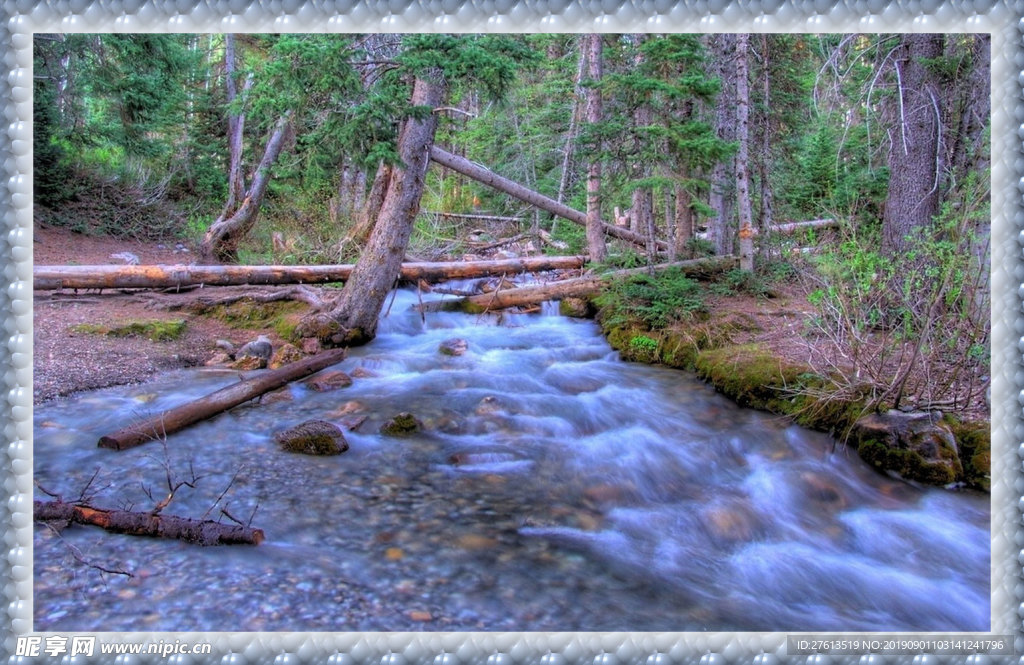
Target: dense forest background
x: 275, y: 148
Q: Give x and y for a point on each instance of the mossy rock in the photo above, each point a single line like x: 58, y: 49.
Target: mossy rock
x: 401, y: 425
x: 313, y: 437
x: 577, y: 308
x: 155, y: 330
x: 917, y: 446
x: 974, y: 440
x: 284, y: 355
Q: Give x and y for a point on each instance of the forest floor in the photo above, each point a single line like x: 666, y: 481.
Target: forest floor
x: 67, y: 361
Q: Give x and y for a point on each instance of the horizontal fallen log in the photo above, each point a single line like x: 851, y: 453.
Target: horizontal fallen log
x: 536, y: 199
x: 177, y: 276
x: 461, y: 215
x: 571, y: 288
x: 793, y: 227
x: 140, y: 523
x: 180, y: 417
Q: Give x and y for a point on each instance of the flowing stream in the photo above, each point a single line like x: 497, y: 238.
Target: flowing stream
x: 552, y: 487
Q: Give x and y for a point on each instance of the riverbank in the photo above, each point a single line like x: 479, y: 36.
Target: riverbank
x: 756, y: 349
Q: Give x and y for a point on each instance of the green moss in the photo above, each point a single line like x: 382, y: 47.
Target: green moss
x: 156, y: 330
x: 282, y: 317
x: 906, y: 463
x: 974, y: 440
x: 401, y: 425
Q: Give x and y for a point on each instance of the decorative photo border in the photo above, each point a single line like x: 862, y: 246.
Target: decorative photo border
x: 19, y: 19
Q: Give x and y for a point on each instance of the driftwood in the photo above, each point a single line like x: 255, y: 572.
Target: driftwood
x: 182, y: 416
x: 141, y: 523
x: 163, y: 276
x: 570, y: 288
x: 506, y: 186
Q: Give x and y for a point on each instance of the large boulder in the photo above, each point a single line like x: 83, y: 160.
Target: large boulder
x: 917, y: 446
x: 313, y: 437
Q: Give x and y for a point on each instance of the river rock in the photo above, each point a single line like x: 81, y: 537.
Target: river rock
x: 454, y: 347
x: 401, y: 425
x: 288, y: 353
x: 313, y: 437
x: 330, y: 380
x: 258, y: 348
x: 917, y: 446
x: 577, y: 308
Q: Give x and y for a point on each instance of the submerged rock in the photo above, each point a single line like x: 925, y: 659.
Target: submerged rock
x: 400, y: 425
x: 330, y: 380
x: 454, y: 347
x: 313, y: 437
x: 917, y: 446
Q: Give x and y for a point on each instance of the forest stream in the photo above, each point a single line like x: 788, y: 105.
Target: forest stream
x: 552, y: 487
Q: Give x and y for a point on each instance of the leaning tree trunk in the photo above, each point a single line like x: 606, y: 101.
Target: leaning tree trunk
x: 353, y: 320
x: 221, y: 240
x: 914, y: 171
x: 506, y: 186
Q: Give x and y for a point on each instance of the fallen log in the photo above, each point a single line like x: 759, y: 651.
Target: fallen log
x: 180, y: 417
x: 178, y: 276
x: 793, y: 227
x: 571, y: 288
x: 140, y: 523
x: 514, y: 189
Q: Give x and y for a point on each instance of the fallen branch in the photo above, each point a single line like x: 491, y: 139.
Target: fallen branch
x: 162, y: 276
x: 180, y: 417
x: 139, y: 523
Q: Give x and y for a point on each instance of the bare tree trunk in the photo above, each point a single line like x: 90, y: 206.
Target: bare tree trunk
x: 591, y: 48
x: 721, y: 231
x: 746, y: 232
x: 684, y: 220
x: 914, y: 171
x: 236, y: 126
x: 354, y: 319
x: 221, y: 240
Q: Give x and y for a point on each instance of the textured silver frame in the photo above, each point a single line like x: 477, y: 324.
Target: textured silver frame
x: 1002, y: 18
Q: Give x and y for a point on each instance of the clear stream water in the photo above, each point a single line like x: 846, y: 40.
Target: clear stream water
x: 553, y: 487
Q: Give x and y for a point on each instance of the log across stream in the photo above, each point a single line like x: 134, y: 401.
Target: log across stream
x: 552, y: 487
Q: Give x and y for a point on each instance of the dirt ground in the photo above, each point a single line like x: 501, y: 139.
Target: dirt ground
x: 66, y: 362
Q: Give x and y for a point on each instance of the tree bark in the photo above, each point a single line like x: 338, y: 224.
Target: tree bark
x: 721, y: 230
x: 180, y: 417
x: 354, y: 319
x: 581, y: 286
x: 236, y: 126
x: 746, y: 230
x: 140, y: 523
x: 506, y: 186
x: 914, y: 171
x: 590, y: 47
x: 221, y: 240
x: 48, y: 278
